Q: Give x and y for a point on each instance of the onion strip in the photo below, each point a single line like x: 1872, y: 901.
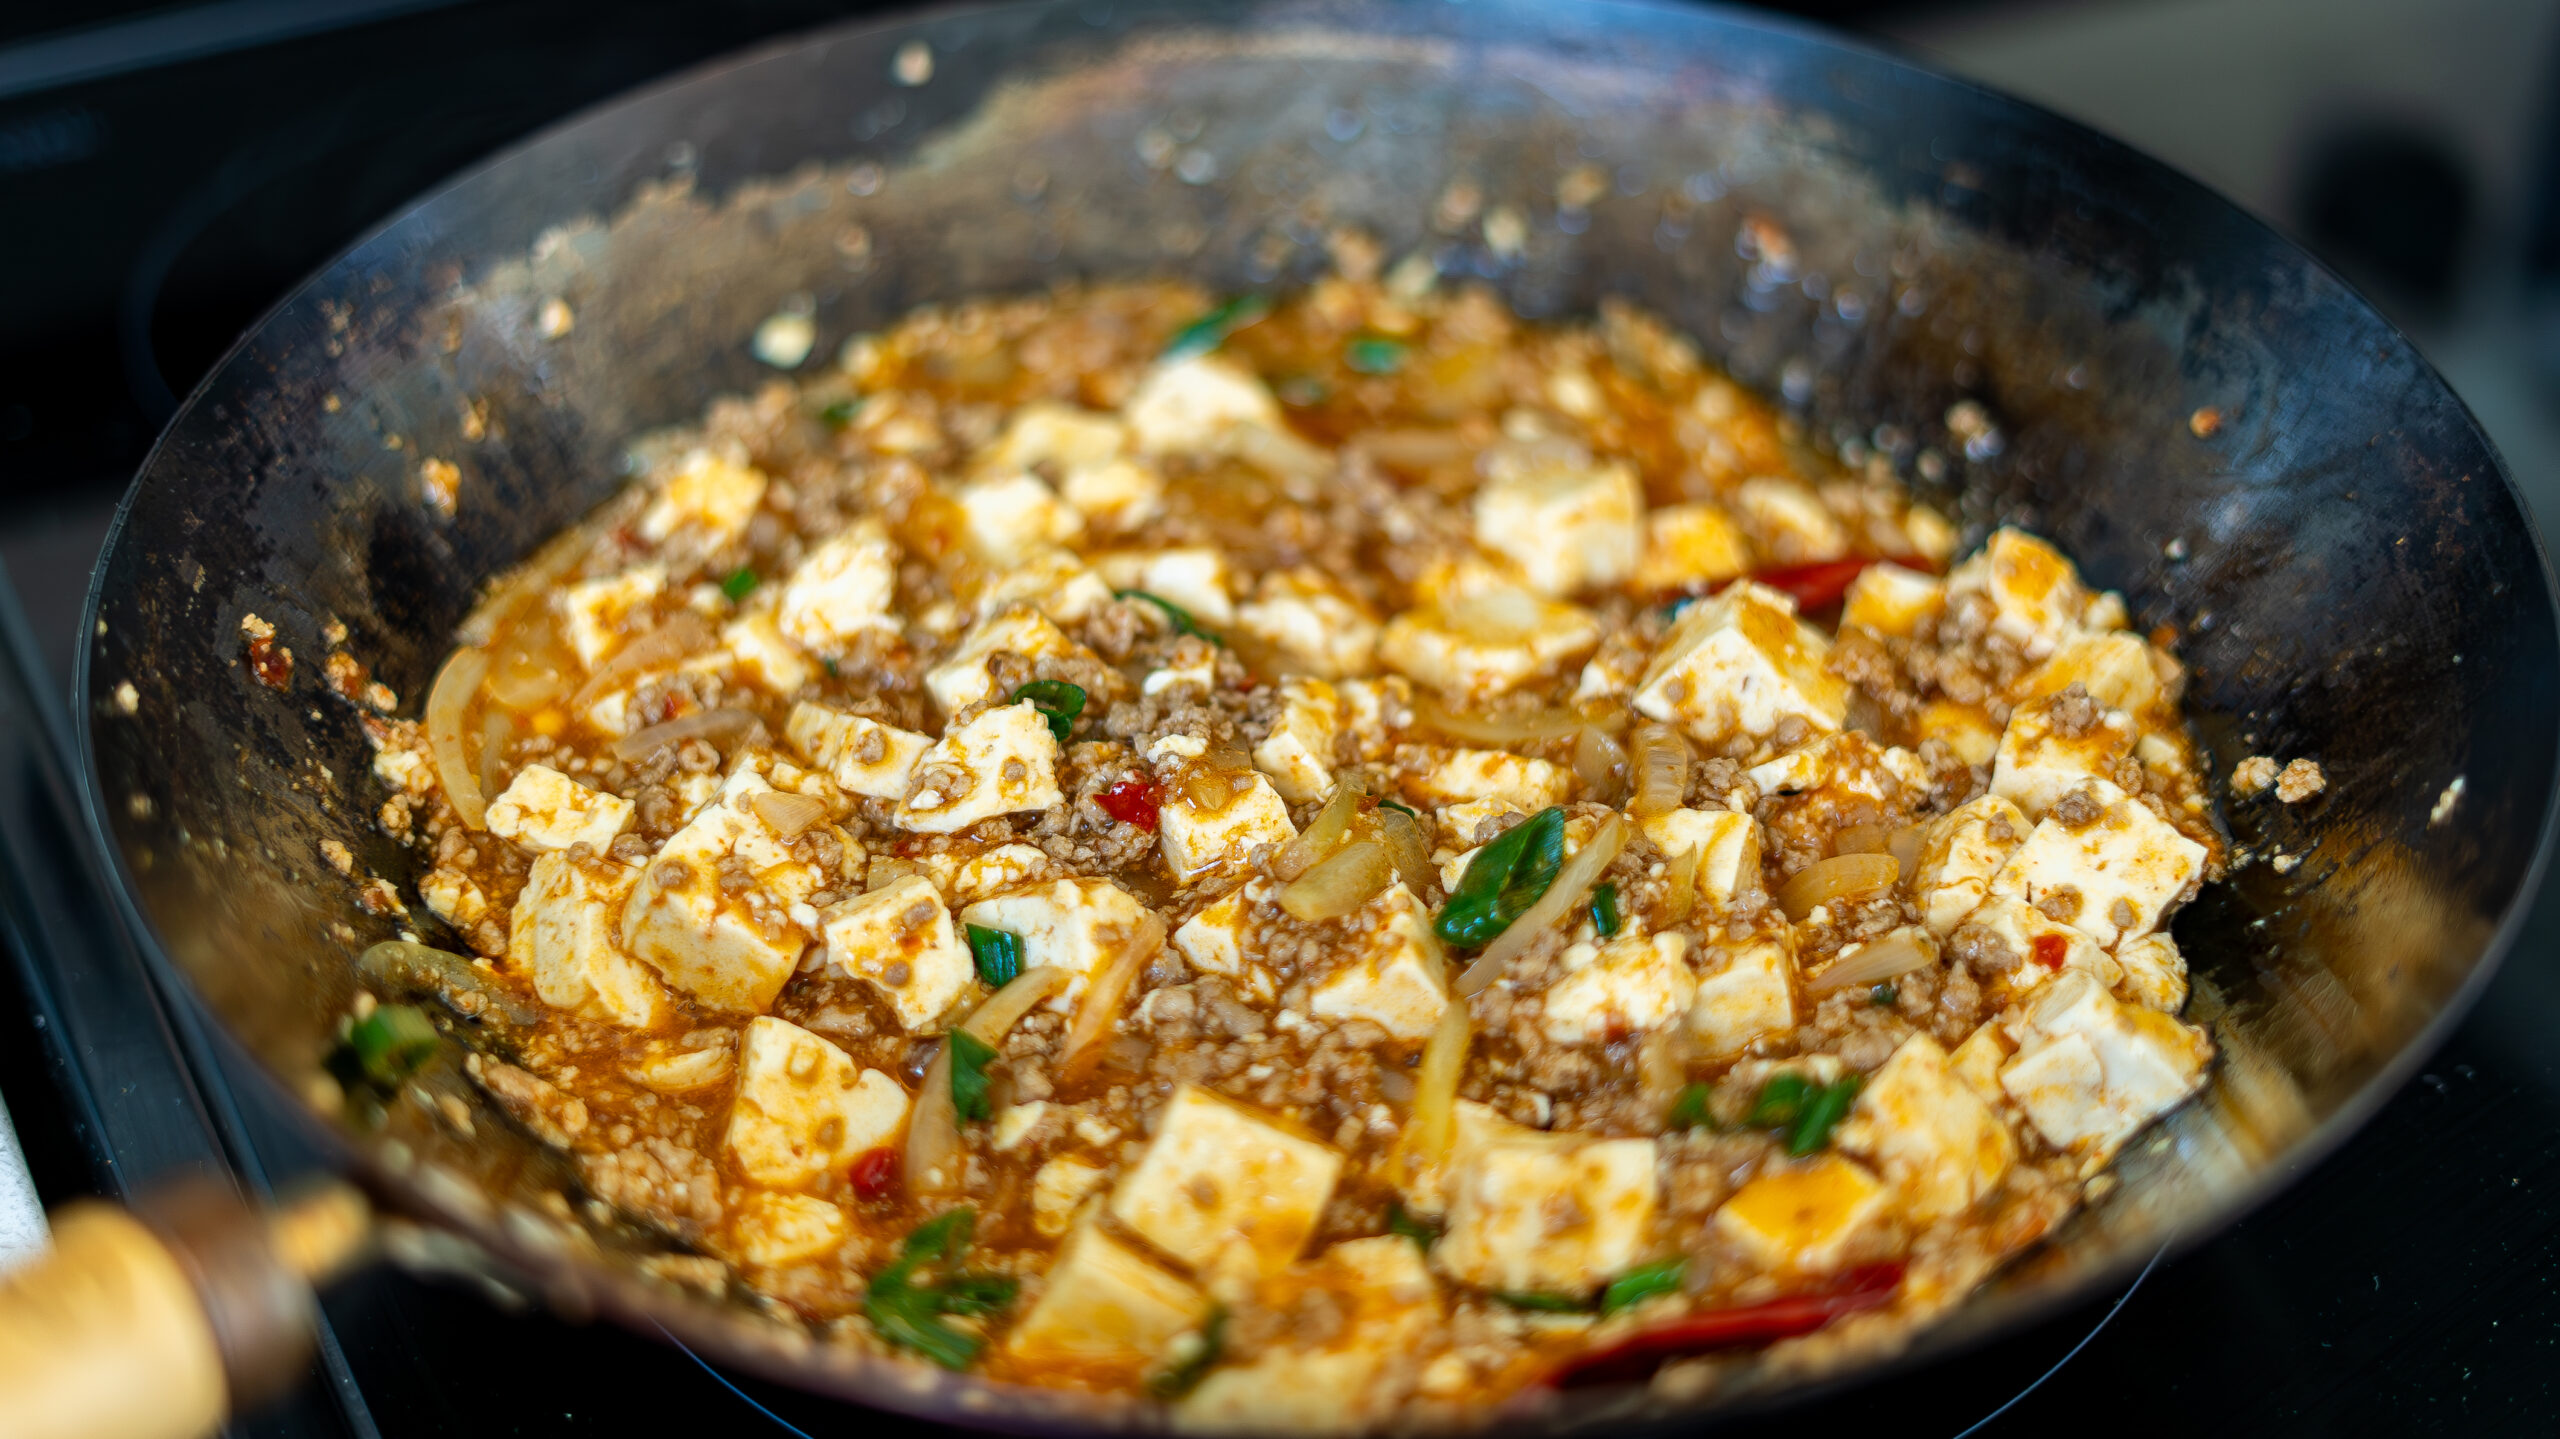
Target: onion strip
x: 1527, y: 727
x: 788, y: 815
x: 933, y: 1130
x: 1887, y: 957
x: 1600, y: 762
x: 1323, y: 834
x: 1103, y: 993
x: 1434, y: 1127
x: 456, y: 683
x: 1407, y: 846
x: 1339, y: 883
x: 996, y: 1018
x: 1838, y: 877
x: 713, y: 725
x: 1571, y: 890
x: 1659, y: 769
x: 682, y: 634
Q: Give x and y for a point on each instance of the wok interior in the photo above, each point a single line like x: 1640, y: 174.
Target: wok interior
x: 1872, y: 243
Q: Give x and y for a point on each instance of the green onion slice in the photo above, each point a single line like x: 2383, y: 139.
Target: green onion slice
x: 1822, y: 1113
x: 998, y: 952
x: 1185, y: 1375
x: 1212, y: 329
x: 1604, y: 910
x: 1374, y: 355
x: 740, y: 583
x: 1690, y: 1111
x: 1181, y: 619
x: 970, y: 1057
x: 392, y: 1043
x: 1058, y: 700
x: 1642, y: 1283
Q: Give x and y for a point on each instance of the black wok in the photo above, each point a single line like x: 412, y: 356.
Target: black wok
x: 2206, y: 418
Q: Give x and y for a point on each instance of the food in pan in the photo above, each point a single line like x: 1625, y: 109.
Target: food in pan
x: 1326, y: 860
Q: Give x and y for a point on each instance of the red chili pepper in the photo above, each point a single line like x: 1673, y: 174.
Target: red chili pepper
x: 874, y: 1172
x: 1134, y: 800
x: 1816, y: 586
x: 1634, y: 1359
x: 2049, y: 950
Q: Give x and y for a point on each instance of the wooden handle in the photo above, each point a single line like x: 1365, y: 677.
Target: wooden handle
x: 135, y: 1330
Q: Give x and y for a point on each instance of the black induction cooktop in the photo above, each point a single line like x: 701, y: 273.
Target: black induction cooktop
x: 190, y: 164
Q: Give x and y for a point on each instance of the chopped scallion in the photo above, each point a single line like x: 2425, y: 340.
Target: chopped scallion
x: 1374, y: 355
x: 1185, y: 1374
x: 1690, y: 1111
x: 1212, y: 329
x: 970, y: 1057
x: 998, y: 953
x: 1642, y: 1283
x: 1057, y: 700
x: 1604, y: 910
x: 739, y: 585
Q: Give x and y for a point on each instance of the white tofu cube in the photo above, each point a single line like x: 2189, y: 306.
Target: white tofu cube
x: 1728, y: 846
x: 1488, y: 644
x: 544, y: 810
x: 962, y: 679
x: 966, y: 877
x: 756, y: 652
x: 1191, y: 405
x: 1963, y: 850
x: 1221, y: 1181
x: 1218, y: 940
x: 1053, y: 581
x: 2155, y: 974
x: 770, y: 1231
x: 1345, y: 1381
x: 731, y: 951
x: 1686, y: 546
x: 1964, y: 729
x: 1934, y: 1140
x: 1078, y: 925
x: 1002, y: 762
x: 2044, y: 947
x: 2090, y: 1072
x: 1194, y: 577
x: 1891, y: 600
x: 1192, y: 669
x: 1298, y: 753
x: 561, y: 937
x: 2036, y: 596
x: 1460, y: 822
x: 1567, y: 523
x: 1789, y: 523
x: 1374, y: 712
x: 710, y: 494
x: 597, y: 615
x: 1845, y: 767
x: 1058, y: 1191
x: 1976, y: 1063
x: 1739, y: 664
x: 2128, y: 867
x: 1061, y: 436
x: 1391, y: 974
x: 2118, y: 670
x: 1800, y: 1217
x: 1015, y: 1122
x: 803, y: 1106
x: 1549, y: 1213
x: 1011, y: 517
x: 1523, y: 782
x: 1632, y: 984
x: 2039, y: 761
x: 843, y: 588
x: 1747, y: 993
x: 1105, y: 1312
x: 862, y: 756
x: 1199, y: 841
x: 453, y: 898
x: 1119, y: 494
x: 900, y: 940
x: 1312, y: 624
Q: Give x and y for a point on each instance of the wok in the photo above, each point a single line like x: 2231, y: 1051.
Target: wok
x: 2205, y: 417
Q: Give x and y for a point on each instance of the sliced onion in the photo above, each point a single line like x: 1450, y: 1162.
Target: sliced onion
x: 1905, y: 845
x: 1878, y: 960
x: 1340, y: 882
x: 529, y: 670
x: 933, y: 1129
x: 712, y: 725
x: 1407, y: 846
x: 530, y: 582
x: 1103, y: 993
x: 1571, y: 890
x: 495, y: 727
x: 1660, y: 770
x: 1681, y: 877
x: 995, y: 1019
x: 1838, y: 877
x: 1600, y: 762
x: 455, y: 684
x: 1434, y: 1126
x: 1660, y: 1076
x: 1526, y: 727
x: 1863, y: 839
x: 1322, y: 835
x: 789, y: 815
x: 683, y: 634
x: 1281, y: 456
x: 1413, y: 448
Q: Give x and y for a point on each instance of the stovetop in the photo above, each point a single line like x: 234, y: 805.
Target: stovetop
x: 2406, y: 1285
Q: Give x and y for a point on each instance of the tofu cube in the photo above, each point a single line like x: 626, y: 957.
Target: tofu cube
x: 1312, y: 625
x: 2036, y: 597
x: 844, y: 587
x: 1977, y: 1062
x: 1195, y: 577
x: 1106, y: 1312
x: 1965, y: 729
x: 1728, y: 846
x: 1801, y: 1217
x: 1788, y: 522
x: 730, y: 951
x: 1119, y: 494
x: 1632, y: 984
x: 2040, y: 760
x: 1220, y: 1180
x: 757, y: 653
x: 453, y: 898
x: 1340, y: 1383
x: 1010, y: 517
x: 2155, y: 974
x: 1686, y: 546
x: 1891, y: 600
x: 2128, y: 867
x: 1191, y: 668
x: 1568, y: 524
x: 770, y: 1231
x: 1062, y: 436
x: 1191, y: 406
x: 1934, y: 1141
x: 710, y: 494
x: 804, y: 1107
x: 1747, y: 993
x: 1218, y: 940
x: 962, y: 679
x: 966, y: 877
x: 2090, y: 1072
x: 597, y: 615
x: 2118, y: 670
x: 1078, y: 925
x: 1058, y: 1191
x: 1053, y: 581
x: 1525, y: 783
x: 1488, y: 644
x: 1549, y: 1213
x: 560, y: 936
x: 899, y: 939
x: 1962, y: 852
x: 1002, y: 762
x: 1844, y: 768
x: 1392, y: 974
x: 862, y: 756
x: 2043, y: 947
x: 1198, y: 840
x: 1739, y: 664
x: 1298, y: 753
x: 1374, y: 712
x: 543, y: 810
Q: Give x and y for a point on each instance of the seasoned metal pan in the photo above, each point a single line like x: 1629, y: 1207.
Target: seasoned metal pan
x: 2206, y: 418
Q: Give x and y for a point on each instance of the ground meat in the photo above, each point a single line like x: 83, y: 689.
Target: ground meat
x: 2252, y: 775
x: 2300, y: 781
